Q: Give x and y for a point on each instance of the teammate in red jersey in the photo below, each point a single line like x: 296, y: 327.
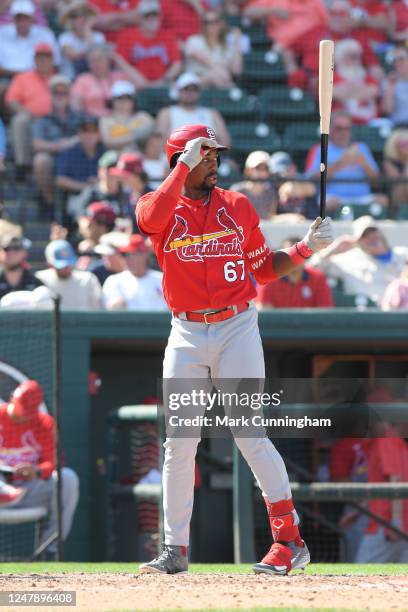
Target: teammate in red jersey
x: 207, y: 241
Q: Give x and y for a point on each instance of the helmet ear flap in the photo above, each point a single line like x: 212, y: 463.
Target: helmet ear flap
x: 218, y: 161
x: 174, y: 160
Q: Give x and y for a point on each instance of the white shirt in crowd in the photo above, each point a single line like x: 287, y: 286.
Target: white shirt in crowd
x: 69, y: 39
x: 138, y: 293
x: 81, y: 291
x: 17, y: 52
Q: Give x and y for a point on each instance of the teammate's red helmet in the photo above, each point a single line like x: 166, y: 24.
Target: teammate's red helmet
x: 27, y: 398
x: 180, y: 137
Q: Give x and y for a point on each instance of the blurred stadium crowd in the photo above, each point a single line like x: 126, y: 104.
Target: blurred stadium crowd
x: 90, y: 90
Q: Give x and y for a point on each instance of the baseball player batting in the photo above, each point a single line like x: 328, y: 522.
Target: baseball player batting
x: 207, y: 241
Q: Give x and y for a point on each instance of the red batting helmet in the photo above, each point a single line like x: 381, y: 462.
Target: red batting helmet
x: 179, y: 138
x: 27, y: 398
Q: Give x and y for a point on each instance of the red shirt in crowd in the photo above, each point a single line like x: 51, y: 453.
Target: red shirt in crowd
x: 180, y: 17
x: 31, y: 442
x: 387, y: 457
x: 311, y: 292
x: 349, y: 460
x: 366, y: 35
x: 106, y: 7
x: 151, y: 56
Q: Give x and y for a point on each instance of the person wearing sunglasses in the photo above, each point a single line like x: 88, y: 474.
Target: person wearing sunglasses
x: 15, y: 274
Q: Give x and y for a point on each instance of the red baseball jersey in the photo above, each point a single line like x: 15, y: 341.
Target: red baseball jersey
x: 205, y: 249
x: 32, y: 442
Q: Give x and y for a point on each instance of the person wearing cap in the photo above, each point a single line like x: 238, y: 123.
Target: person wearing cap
x: 296, y: 197
x: 149, y: 48
x: 188, y: 111
x: 346, y: 160
x: 107, y: 188
x: 28, y: 450
x: 138, y: 287
x: 110, y: 259
x: 78, y: 289
x: 363, y: 262
x: 133, y: 178
x: 77, y: 165
x: 15, y: 274
x: 52, y: 134
x: 125, y: 127
x: 28, y: 97
x: 98, y: 219
x: 257, y: 186
x: 77, y: 17
x: 19, y: 39
x: 304, y: 287
x: 91, y: 90
x: 215, y: 54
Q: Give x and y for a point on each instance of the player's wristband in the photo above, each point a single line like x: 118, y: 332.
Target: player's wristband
x: 299, y: 252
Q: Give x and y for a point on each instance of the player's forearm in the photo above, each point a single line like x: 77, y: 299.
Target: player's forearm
x: 154, y: 212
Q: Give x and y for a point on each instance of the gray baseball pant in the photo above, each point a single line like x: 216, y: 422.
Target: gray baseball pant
x: 227, y: 350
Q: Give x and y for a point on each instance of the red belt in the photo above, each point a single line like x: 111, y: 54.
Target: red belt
x: 215, y: 316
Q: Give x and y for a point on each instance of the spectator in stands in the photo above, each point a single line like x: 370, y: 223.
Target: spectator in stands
x: 138, y: 287
x: 125, y: 127
x: 77, y: 17
x: 29, y: 448
x: 6, y: 15
x: 341, y: 23
x: 98, y: 219
x: 348, y: 463
x: 387, y: 462
x: 91, y: 91
x: 9, y: 495
x: 257, y: 186
x: 395, y: 94
x: 107, y: 188
x: 364, y: 262
x: 111, y: 260
x: 53, y: 134
x: 346, y: 160
x: 77, y: 165
x: 18, y: 40
x: 398, y: 14
x: 27, y: 97
x: 293, y: 26
x: 15, y: 274
x: 213, y: 55
x: 396, y: 167
x: 150, y: 49
x: 296, y: 196
x: 130, y: 172
x: 354, y: 90
x: 183, y: 17
x: 188, y: 112
x: 396, y: 294
x: 154, y: 159
x: 78, y: 289
x: 371, y: 22
x: 114, y: 16
x: 304, y: 287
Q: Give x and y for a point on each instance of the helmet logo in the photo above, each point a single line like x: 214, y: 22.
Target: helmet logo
x: 211, y: 133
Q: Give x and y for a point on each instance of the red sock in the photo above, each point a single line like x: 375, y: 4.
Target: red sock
x: 281, y: 521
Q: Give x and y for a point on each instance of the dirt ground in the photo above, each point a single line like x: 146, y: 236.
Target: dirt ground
x: 106, y: 592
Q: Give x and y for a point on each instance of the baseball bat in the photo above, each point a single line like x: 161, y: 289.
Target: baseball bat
x: 326, y: 69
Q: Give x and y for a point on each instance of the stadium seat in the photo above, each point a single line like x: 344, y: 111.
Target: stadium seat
x: 344, y: 300
x: 262, y: 68
x: 402, y: 214
x: 373, y: 136
x: 233, y: 103
x: 287, y: 103
x: 247, y: 137
x: 374, y: 209
x: 301, y: 136
x: 152, y: 99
